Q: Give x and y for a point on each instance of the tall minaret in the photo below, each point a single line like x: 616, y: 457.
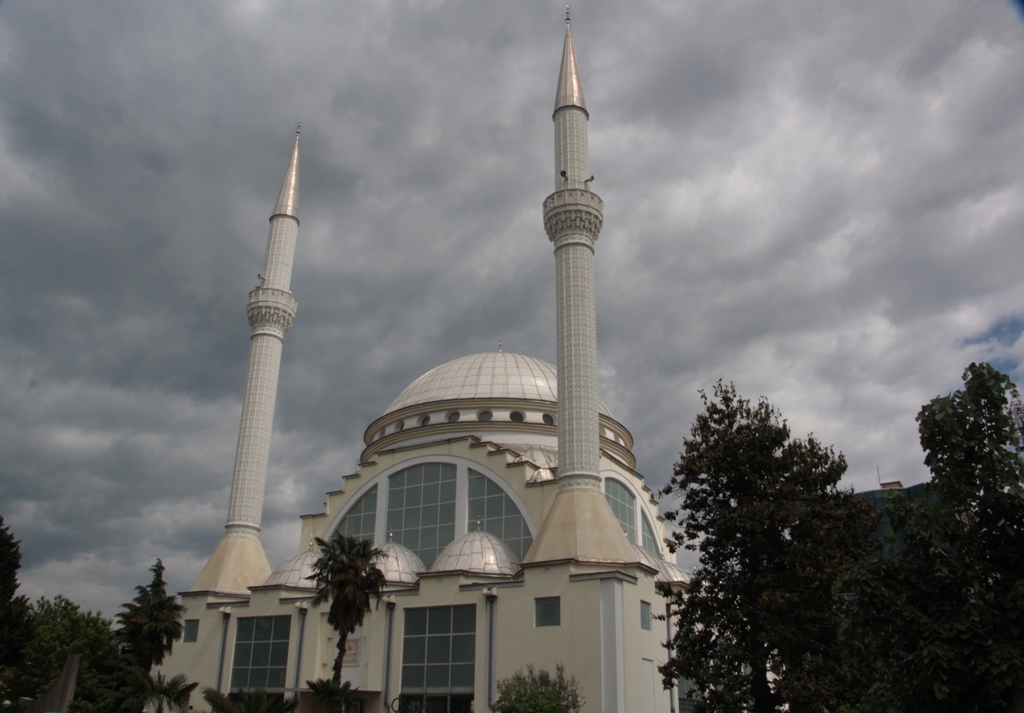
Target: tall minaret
x: 580, y: 524
x: 239, y: 560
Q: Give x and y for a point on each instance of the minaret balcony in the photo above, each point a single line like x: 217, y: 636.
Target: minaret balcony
x: 271, y: 307
x: 573, y: 211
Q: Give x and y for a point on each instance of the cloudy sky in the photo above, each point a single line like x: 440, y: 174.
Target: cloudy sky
x: 821, y: 201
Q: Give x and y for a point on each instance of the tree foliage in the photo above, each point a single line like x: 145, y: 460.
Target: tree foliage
x: 346, y: 575
x: 333, y: 697
x: 15, y: 619
x: 142, y: 690
x: 942, y: 612
x: 758, y: 628
x: 241, y: 702
x: 151, y: 622
x: 60, y: 628
x: 539, y: 692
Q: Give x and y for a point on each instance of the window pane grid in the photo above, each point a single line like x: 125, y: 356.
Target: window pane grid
x: 497, y: 514
x: 360, y: 521
x: 421, y: 508
x: 439, y: 650
x: 649, y: 542
x: 261, y: 652
x: 623, y: 506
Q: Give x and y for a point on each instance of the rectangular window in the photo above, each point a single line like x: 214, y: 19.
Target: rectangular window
x: 439, y: 657
x: 548, y: 611
x: 261, y: 652
x: 645, y: 616
x: 191, y: 631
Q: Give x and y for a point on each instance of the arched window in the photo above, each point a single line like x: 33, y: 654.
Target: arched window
x: 421, y: 508
x: 497, y: 514
x: 650, y: 542
x: 360, y: 520
x: 623, y: 505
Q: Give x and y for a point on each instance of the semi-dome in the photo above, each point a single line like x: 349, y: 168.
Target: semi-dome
x: 493, y: 375
x: 401, y: 565
x: 477, y: 552
x: 294, y: 571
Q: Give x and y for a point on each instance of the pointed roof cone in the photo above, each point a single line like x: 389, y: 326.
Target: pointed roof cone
x: 570, y: 90
x: 288, y: 198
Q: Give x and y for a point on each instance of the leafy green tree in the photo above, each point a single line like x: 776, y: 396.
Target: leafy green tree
x: 142, y: 689
x: 942, y: 611
x: 15, y: 611
x: 60, y: 627
x: 346, y: 574
x: 256, y: 702
x: 151, y: 622
x: 758, y: 628
x: 539, y: 692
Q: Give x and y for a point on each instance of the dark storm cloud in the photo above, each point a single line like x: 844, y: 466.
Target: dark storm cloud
x: 820, y: 201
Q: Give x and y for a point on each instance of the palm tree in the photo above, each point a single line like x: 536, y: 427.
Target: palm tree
x: 334, y: 697
x: 142, y: 690
x: 151, y: 622
x: 345, y: 573
x: 240, y: 702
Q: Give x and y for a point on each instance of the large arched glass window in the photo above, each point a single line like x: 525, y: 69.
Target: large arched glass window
x: 421, y: 508
x: 623, y: 506
x: 360, y: 520
x: 649, y: 543
x: 497, y: 514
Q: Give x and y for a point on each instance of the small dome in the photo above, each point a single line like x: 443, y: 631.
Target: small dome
x: 477, y: 552
x: 671, y: 573
x: 401, y: 565
x: 492, y: 375
x: 293, y: 572
x: 646, y: 557
x: 668, y: 572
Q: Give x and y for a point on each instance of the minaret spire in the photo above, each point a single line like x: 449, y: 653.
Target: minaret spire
x: 239, y: 561
x: 570, y: 90
x: 580, y: 524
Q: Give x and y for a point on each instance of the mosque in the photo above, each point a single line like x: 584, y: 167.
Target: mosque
x: 503, y: 492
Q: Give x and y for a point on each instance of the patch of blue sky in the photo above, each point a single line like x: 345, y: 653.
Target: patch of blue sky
x: 1006, y: 331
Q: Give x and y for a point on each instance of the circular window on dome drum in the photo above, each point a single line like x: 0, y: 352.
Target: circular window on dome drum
x: 425, y: 420
x: 380, y: 433
x: 516, y: 416
x: 549, y: 419
x: 453, y: 417
x: 484, y: 416
x: 399, y: 426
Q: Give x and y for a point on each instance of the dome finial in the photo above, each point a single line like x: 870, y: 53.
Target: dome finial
x: 568, y: 9
x: 312, y: 541
x: 499, y: 345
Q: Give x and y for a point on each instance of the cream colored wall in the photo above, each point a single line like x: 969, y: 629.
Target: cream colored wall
x: 576, y: 643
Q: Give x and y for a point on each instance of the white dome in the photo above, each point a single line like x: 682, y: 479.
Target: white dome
x: 401, y: 565
x: 294, y: 571
x: 477, y: 552
x: 494, y: 375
